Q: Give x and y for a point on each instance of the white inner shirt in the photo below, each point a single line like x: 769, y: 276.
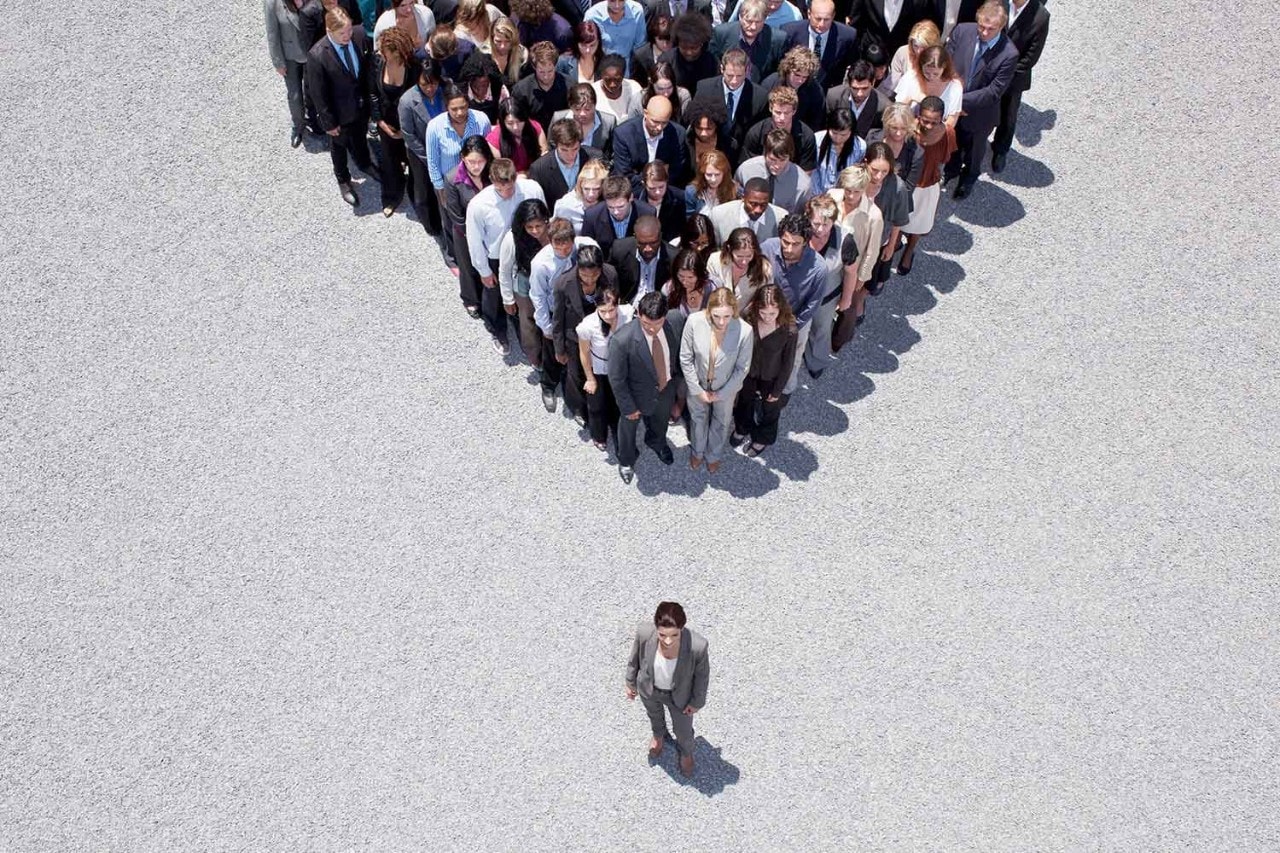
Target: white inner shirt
x: 664, y: 671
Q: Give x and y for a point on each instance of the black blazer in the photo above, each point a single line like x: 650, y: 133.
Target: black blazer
x: 806, y: 156
x: 340, y: 98
x: 631, y: 153
x: 702, y: 7
x: 732, y: 133
x: 839, y: 49
x: 569, y: 307
x: 548, y: 176
x: 623, y: 258
x: 631, y: 376
x: 311, y: 20
x: 990, y: 80
x: 643, y: 59
x: 763, y: 56
x: 1028, y: 34
x: 812, y: 110
x: 690, y: 74
x: 598, y: 225
x: 872, y: 113
x: 868, y: 17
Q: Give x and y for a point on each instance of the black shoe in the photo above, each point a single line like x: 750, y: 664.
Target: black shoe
x: 736, y: 439
x: 473, y: 311
x: 874, y: 289
x: 665, y: 454
x: 295, y: 138
x: 905, y: 269
x: 348, y: 194
x: 626, y: 473
x: 548, y: 399
x: 813, y: 374
x: 962, y: 191
x: 997, y: 162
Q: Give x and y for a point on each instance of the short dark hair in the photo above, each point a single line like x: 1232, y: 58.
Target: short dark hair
x: 590, y: 257
x: 607, y: 293
x: 861, y: 70
x: 616, y: 186
x: 565, y: 131
x: 452, y: 92
x: 653, y: 306
x: 933, y: 104
x: 669, y: 614
x: 700, y: 108
x: 795, y: 223
x: 582, y: 93
x: 757, y: 185
x: 778, y: 143
x: 612, y: 60
x: 875, y: 54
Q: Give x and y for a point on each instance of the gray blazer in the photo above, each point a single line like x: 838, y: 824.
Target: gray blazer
x: 733, y: 357
x: 790, y: 189
x: 693, y: 668
x: 284, y: 33
x: 728, y: 216
x: 604, y: 133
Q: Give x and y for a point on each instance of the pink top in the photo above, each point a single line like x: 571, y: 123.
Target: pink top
x: 522, y: 158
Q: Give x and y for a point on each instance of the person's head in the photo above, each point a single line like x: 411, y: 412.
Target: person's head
x: 689, y: 271
x: 404, y: 8
x: 699, y: 233
x: 715, y: 174
x: 529, y: 231
x: 515, y: 131
x: 566, y: 138
x: 456, y: 103
x: 442, y: 44
x: 613, y: 70
x: 721, y: 308
x: 793, y: 233
x: 616, y: 9
x: 691, y: 32
x: 899, y: 123
x: 502, y: 171
x: 655, y: 176
x: 582, y: 103
x: 430, y: 78
x: 504, y: 36
x: 543, y: 55
x: 586, y: 40
x: 474, y: 15
x: 822, y: 14
x: 880, y: 163
x: 924, y: 34
x: 478, y: 76
x: 991, y: 19
x: 662, y: 81
x: 657, y: 115
x: 798, y: 67
x: 769, y: 305
x: 648, y: 237
x: 783, y: 103
x: 741, y: 248
x: 535, y: 13
x: 560, y: 234
x: 929, y: 119
x: 396, y: 46
x: 840, y: 127
x: 703, y: 117
x: 607, y: 303
x: 590, y: 183
x: 590, y: 263
x: 659, y: 32
x: 751, y: 17
x: 779, y: 148
x: 853, y: 181
x: 477, y: 157
x: 862, y: 79
x: 733, y: 68
x: 755, y: 198
x: 822, y: 213
x: 617, y: 197
x: 875, y: 54
x: 338, y: 25
x: 933, y: 64
x: 651, y: 310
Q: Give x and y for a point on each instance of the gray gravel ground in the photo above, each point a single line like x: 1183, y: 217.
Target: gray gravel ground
x: 292, y: 561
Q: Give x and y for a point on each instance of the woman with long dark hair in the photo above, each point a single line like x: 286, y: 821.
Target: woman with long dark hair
x: 516, y: 136
x: 471, y: 176
x: 839, y: 147
x: 526, y: 238
x: 688, y: 287
x: 662, y: 81
x: 583, y: 61
x: 699, y: 233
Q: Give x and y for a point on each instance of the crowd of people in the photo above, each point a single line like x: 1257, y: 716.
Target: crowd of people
x: 673, y: 206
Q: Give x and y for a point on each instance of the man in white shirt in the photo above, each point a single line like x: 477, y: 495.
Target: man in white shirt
x: 488, y: 220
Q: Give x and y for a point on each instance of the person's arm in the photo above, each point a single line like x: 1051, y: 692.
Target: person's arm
x: 869, y: 252
x: 475, y: 239
x: 584, y: 357
x: 701, y: 679
x: 991, y: 93
x: 742, y: 364
x: 1029, y: 57
x: 633, y: 662
x: 320, y: 96
x: 619, y: 373
x: 786, y: 364
x: 431, y: 143
x: 274, y: 47
x: 507, y: 268
x: 559, y: 320
x: 539, y: 294
x: 689, y: 366
x: 414, y: 136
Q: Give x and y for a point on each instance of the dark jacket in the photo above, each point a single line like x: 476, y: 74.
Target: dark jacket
x: 311, y: 20
x: 763, y: 56
x: 839, y: 49
x: 570, y: 307
x: 622, y: 256
x: 990, y: 80
x: 868, y: 17
x: 806, y: 156
x: 631, y: 152
x: 743, y: 117
x: 340, y: 98
x: 812, y: 109
x: 546, y: 172
x: 598, y: 225
x: 872, y: 115
x: 1028, y: 34
x: 631, y: 376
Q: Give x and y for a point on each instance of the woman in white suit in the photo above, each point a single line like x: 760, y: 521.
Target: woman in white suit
x: 715, y: 353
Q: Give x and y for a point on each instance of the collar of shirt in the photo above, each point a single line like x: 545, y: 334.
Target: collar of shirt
x: 570, y: 173
x: 341, y: 50
x: 619, y: 228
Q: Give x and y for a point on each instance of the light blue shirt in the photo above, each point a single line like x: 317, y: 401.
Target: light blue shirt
x: 545, y: 267
x: 347, y: 54
x: 787, y: 13
x: 624, y: 36
x: 570, y: 173
x: 444, y: 145
x: 619, y: 228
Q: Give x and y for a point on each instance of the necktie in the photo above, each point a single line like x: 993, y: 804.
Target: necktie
x: 350, y: 59
x: 817, y: 46
x: 977, y: 57
x: 659, y: 362
x: 729, y: 102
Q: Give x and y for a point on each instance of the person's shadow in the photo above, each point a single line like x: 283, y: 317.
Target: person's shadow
x: 711, y: 773
x: 1032, y: 123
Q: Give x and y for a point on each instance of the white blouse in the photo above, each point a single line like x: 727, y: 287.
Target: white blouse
x: 664, y: 671
x: 911, y: 92
x: 591, y: 330
x: 387, y: 20
x: 625, y: 107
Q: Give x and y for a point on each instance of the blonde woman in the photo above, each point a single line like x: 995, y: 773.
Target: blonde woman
x: 585, y: 193
x: 898, y: 131
x: 823, y: 212
x: 505, y: 48
x: 475, y: 20
x: 863, y: 227
x: 715, y: 354
x: 924, y: 34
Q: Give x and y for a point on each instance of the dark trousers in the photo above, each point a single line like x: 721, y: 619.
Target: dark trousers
x: 552, y: 370
x: 491, y: 310
x: 1009, y: 106
x: 469, y: 285
x: 350, y: 140
x: 655, y: 426
x: 967, y: 161
x: 750, y: 403
x: 391, y: 169
x: 294, y: 74
x: 575, y: 395
x: 602, y: 409
x: 427, y: 207
x: 846, y: 325
x: 658, y: 706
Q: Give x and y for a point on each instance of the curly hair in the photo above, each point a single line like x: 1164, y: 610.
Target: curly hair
x: 800, y: 60
x: 398, y: 43
x: 532, y: 12
x: 691, y: 28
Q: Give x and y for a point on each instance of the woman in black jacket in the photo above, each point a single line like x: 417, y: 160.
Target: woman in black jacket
x: 395, y: 71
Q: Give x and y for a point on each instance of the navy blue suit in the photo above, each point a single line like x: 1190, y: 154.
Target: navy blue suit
x: 982, y: 93
x: 598, y: 224
x: 839, y: 50
x: 631, y: 153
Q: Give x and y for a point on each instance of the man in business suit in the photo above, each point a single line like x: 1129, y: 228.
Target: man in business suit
x: 985, y: 59
x: 890, y: 21
x: 836, y: 44
x: 596, y: 127
x: 311, y: 18
x: 1028, y: 28
x: 643, y: 262
x: 669, y: 669
x: 736, y: 91
x: 337, y: 77
x: 614, y: 218
x: 761, y: 43
x: 654, y: 137
x: 861, y: 96
x: 754, y: 211
x: 644, y: 358
x: 557, y: 170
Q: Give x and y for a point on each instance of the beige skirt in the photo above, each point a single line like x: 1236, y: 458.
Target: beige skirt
x: 925, y: 201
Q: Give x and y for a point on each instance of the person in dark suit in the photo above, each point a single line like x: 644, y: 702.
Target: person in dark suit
x: 557, y: 170
x: 338, y: 78
x: 673, y: 7
x: 657, y: 192
x: 631, y: 144
x: 643, y: 371
x: 690, y: 59
x: 836, y: 44
x: 615, y: 217
x: 544, y: 91
x: 734, y: 89
x: 862, y: 98
x: 572, y: 289
x: 311, y: 18
x: 643, y: 262
x: 797, y: 70
x: 783, y: 102
x: 762, y: 44
x: 645, y: 57
x: 986, y: 60
x: 596, y: 127
x: 869, y: 17
x: 1028, y: 31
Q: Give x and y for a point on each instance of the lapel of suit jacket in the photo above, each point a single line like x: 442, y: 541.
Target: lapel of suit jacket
x: 683, y: 660
x: 646, y: 358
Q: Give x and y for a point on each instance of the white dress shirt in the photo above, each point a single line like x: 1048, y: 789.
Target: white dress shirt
x: 666, y: 350
x: 489, y: 219
x: 591, y: 330
x: 892, y: 11
x: 664, y: 671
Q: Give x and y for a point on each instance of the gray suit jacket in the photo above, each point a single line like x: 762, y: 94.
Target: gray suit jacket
x: 733, y: 358
x: 728, y: 216
x: 791, y: 188
x: 693, y: 668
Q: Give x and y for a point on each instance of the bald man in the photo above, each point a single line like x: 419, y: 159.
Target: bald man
x: 836, y: 44
x: 654, y: 137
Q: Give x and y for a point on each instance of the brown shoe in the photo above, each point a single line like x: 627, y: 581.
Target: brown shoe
x: 695, y: 462
x: 655, y: 747
x: 713, y: 467
x: 686, y: 765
